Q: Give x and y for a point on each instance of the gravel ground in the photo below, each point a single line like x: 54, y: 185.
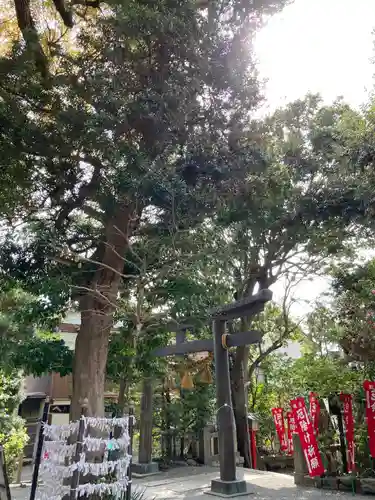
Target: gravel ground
x: 192, y: 482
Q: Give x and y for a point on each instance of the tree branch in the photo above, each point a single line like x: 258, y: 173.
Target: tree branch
x: 66, y: 15
x: 85, y: 191
x: 273, y: 347
x: 30, y: 34
x: 87, y: 3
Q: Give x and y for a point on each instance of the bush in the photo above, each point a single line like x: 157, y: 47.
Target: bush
x: 13, y: 434
x: 13, y: 442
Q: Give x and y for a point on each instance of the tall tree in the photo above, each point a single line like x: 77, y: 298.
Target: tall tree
x: 131, y: 136
x: 289, y: 216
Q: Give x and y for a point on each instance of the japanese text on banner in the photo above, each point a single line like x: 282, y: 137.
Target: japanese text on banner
x: 278, y: 418
x: 314, y: 411
x: 347, y: 400
x: 369, y: 388
x: 307, y: 437
x: 291, y: 430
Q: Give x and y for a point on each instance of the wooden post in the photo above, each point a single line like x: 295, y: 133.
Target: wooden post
x: 38, y: 455
x: 342, y: 443
x: 79, y: 447
x: 300, y: 467
x: 19, y: 468
x: 145, y: 438
x: 145, y: 465
x: 4, y: 482
x: 225, y: 416
x: 228, y: 483
x: 130, y: 451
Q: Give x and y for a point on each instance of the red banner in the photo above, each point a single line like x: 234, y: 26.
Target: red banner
x: 314, y: 411
x: 278, y: 418
x: 347, y: 400
x: 307, y: 437
x: 291, y: 430
x: 369, y: 388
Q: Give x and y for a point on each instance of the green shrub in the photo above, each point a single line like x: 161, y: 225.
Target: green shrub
x: 13, y: 434
x: 14, y: 442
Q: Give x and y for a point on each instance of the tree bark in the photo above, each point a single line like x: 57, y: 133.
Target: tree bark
x: 97, y: 307
x: 90, y: 361
x: 239, y: 397
x: 30, y: 34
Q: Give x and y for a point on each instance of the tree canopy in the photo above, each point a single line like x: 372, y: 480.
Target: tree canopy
x: 141, y: 187
x: 135, y: 134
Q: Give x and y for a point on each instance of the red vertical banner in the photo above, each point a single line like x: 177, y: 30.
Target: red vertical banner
x: 307, y: 437
x: 314, y: 411
x: 291, y: 430
x: 369, y: 388
x: 347, y: 400
x: 278, y: 418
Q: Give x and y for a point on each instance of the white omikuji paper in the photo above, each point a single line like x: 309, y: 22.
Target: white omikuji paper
x: 57, y: 462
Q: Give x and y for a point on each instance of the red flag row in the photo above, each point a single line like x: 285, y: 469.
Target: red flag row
x: 299, y: 423
x: 307, y: 427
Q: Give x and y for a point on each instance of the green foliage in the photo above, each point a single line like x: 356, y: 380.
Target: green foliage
x: 138, y: 494
x: 40, y: 354
x: 286, y: 379
x: 354, y: 307
x: 14, y: 438
x: 190, y: 411
x: 131, y: 138
x: 323, y: 331
x: 13, y: 434
x: 23, y: 347
x: 319, y: 374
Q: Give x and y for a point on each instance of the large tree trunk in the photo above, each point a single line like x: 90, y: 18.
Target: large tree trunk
x: 239, y: 398
x: 97, y: 307
x: 90, y: 361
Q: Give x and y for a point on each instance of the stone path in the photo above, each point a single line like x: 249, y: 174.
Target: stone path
x: 190, y: 483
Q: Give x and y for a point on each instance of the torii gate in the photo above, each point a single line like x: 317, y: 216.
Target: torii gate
x: 228, y: 484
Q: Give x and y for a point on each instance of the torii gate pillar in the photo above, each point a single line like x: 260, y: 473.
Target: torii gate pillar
x: 228, y: 485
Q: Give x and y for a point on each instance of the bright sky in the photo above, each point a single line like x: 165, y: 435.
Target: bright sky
x: 319, y: 46
x: 323, y: 46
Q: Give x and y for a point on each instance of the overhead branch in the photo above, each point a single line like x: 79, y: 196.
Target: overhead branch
x: 66, y: 14
x: 286, y: 330
x: 87, y: 3
x: 92, y: 212
x: 263, y: 355
x: 97, y: 293
x: 30, y: 35
x: 86, y: 191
